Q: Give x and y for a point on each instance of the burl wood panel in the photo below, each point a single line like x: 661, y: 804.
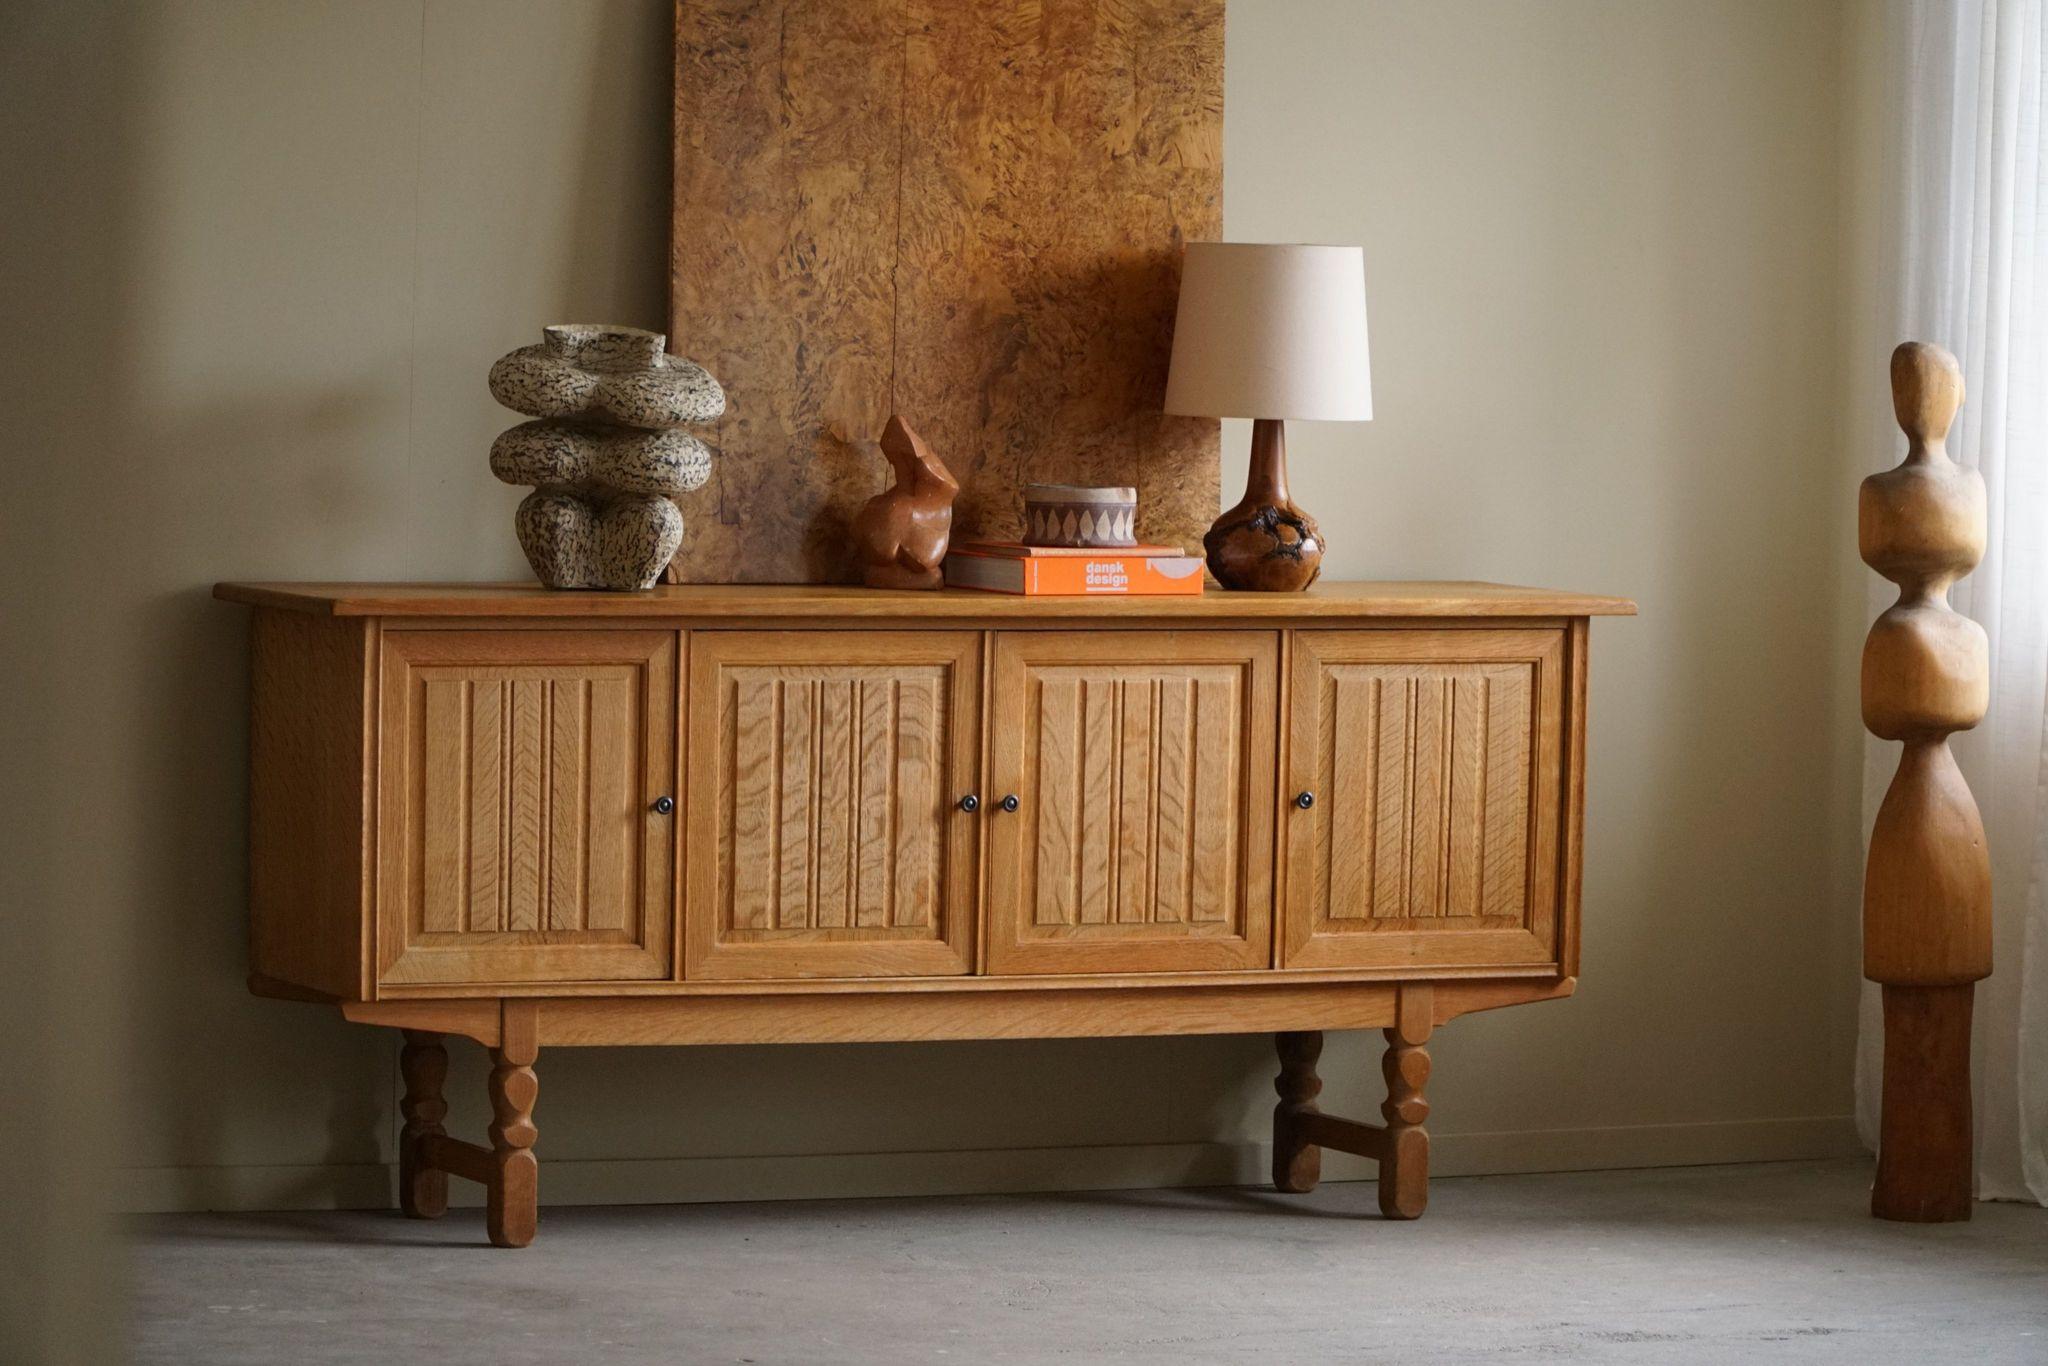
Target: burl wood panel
x: 1432, y: 760
x: 826, y: 772
x: 521, y: 771
x: 1144, y: 777
x: 966, y: 211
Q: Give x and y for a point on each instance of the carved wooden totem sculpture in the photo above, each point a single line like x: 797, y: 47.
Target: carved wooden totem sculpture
x: 1927, y: 888
x: 900, y: 535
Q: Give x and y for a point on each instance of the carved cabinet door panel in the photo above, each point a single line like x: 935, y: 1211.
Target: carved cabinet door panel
x: 1421, y: 819
x: 519, y: 775
x: 1142, y: 763
x: 826, y: 837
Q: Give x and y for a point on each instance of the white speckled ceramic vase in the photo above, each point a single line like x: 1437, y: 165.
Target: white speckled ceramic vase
x: 603, y: 454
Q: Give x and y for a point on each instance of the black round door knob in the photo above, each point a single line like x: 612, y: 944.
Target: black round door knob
x: 1305, y: 800
x: 664, y: 805
x: 1010, y: 802
x: 970, y: 803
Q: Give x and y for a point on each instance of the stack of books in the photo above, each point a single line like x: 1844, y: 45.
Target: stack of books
x: 1056, y: 571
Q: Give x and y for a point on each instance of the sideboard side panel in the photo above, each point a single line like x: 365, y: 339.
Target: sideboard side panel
x: 1572, y: 877
x: 309, y: 782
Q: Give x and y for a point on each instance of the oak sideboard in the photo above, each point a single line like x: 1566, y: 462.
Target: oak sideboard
x: 801, y: 814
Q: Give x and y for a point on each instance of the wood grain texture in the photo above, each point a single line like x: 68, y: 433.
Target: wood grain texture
x: 310, y: 758
x: 480, y: 1020
x: 1925, y: 1172
x: 423, y: 1065
x: 1144, y: 776
x: 955, y: 1008
x: 445, y: 1156
x: 1400, y: 1144
x: 877, y: 1017
x: 1390, y: 599
x: 1265, y: 542
x: 516, y: 840
x: 825, y: 772
x: 1433, y: 761
x: 834, y: 873
x: 512, y: 1195
x: 1926, y: 674
x: 966, y: 212
x: 1512, y: 977
x: 1927, y: 884
x: 1297, y: 1163
x: 1404, y: 1156
x: 310, y: 762
x: 900, y: 535
x: 1578, y: 645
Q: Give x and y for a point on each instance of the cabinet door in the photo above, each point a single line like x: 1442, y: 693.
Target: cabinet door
x: 517, y: 835
x: 1432, y: 759
x: 1143, y: 767
x: 826, y: 769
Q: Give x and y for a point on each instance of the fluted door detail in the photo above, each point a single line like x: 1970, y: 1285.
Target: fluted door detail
x: 1432, y: 757
x: 827, y: 837
x: 1143, y: 768
x: 520, y: 772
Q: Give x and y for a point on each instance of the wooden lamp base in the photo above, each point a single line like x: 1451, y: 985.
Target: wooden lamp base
x: 1266, y: 544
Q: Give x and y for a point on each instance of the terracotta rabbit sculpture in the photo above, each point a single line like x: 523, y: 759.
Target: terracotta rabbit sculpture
x: 900, y: 535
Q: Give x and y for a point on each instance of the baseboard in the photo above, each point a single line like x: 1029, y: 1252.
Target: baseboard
x: 1642, y: 1145
x: 688, y: 1180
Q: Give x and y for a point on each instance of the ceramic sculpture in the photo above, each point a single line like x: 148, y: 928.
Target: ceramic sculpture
x: 900, y: 534
x: 603, y: 456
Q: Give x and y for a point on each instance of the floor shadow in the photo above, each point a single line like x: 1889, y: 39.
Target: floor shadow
x: 353, y: 1228
x: 1210, y: 1199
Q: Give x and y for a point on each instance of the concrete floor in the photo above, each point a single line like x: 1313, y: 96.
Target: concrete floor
x: 1774, y: 1263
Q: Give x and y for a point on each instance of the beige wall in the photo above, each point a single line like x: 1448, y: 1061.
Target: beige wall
x: 267, y: 252
x: 1606, y: 310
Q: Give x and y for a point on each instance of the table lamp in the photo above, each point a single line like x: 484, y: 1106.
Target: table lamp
x: 1269, y: 332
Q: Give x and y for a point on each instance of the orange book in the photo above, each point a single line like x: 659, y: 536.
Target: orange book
x: 1111, y: 575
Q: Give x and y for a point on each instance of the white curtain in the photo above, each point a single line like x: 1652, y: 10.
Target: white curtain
x: 1966, y: 159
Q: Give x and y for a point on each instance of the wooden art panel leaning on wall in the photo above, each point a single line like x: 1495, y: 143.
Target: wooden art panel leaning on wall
x: 969, y: 212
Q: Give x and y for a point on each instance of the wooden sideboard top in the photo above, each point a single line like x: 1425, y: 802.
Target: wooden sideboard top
x: 1326, y: 600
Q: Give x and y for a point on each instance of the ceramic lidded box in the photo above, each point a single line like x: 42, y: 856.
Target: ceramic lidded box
x: 1081, y: 517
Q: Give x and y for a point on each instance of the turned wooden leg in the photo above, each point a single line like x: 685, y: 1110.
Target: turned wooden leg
x: 423, y: 1063
x: 514, y: 1185
x: 1404, y: 1163
x: 1925, y: 1157
x: 1297, y: 1163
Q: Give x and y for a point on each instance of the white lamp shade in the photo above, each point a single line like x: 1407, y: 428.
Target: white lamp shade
x: 1271, y: 331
